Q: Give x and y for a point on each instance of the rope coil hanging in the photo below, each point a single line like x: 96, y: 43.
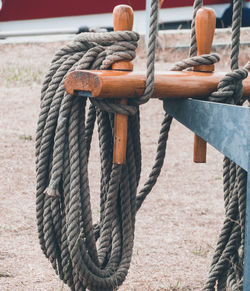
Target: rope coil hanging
x: 66, y: 231
x: 64, y: 219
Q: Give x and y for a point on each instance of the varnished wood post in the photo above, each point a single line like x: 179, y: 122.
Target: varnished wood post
x: 205, y: 22
x: 123, y: 18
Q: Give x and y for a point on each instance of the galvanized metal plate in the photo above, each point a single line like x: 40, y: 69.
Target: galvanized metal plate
x: 226, y: 127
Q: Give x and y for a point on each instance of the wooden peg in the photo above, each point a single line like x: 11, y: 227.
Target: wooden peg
x: 205, y: 22
x: 123, y: 18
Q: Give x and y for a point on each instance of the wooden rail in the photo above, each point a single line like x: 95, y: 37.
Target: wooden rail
x: 120, y: 84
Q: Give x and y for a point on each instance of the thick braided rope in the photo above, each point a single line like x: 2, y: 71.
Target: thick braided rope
x: 65, y: 270
x: 193, y: 45
x: 165, y: 127
x: 229, y: 89
x: 227, y: 264
x: 66, y: 232
x: 153, y: 32
x: 196, y: 61
x: 64, y: 221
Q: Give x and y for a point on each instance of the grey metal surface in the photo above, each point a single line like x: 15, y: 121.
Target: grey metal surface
x: 223, y: 126
x: 227, y: 128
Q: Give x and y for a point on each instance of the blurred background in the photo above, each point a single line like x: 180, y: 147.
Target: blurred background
x: 67, y: 17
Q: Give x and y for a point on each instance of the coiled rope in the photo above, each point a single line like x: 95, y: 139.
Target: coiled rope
x: 66, y: 231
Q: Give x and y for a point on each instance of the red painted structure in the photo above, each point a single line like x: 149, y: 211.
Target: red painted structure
x: 13, y: 10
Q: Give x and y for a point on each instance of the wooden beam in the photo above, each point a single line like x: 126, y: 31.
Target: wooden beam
x: 119, y: 84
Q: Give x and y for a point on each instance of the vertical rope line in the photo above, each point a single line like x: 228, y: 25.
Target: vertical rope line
x: 193, y: 45
x: 153, y: 32
x: 236, y: 24
x: 227, y: 265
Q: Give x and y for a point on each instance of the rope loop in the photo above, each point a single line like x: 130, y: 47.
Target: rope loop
x: 107, y: 37
x: 65, y: 128
x: 114, y: 107
x: 206, y: 59
x: 230, y: 87
x: 153, y: 33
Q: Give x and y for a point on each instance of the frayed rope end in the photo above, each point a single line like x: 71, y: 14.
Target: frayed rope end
x: 53, y: 189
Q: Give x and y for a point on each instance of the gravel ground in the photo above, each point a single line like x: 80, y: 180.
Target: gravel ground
x: 176, y: 228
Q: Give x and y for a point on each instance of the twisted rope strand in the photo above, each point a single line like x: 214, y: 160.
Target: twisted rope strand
x: 227, y: 265
x: 66, y: 231
x: 67, y: 234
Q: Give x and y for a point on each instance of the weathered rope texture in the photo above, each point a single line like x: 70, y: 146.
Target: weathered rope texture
x: 66, y: 231
x: 153, y: 33
x: 227, y: 266
x: 193, y: 45
x: 97, y: 256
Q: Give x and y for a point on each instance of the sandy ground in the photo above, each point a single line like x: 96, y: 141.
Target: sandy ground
x: 176, y: 228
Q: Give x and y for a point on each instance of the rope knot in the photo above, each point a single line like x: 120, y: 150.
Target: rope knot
x: 206, y: 59
x: 119, y: 51
x: 109, y: 48
x: 230, y: 87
